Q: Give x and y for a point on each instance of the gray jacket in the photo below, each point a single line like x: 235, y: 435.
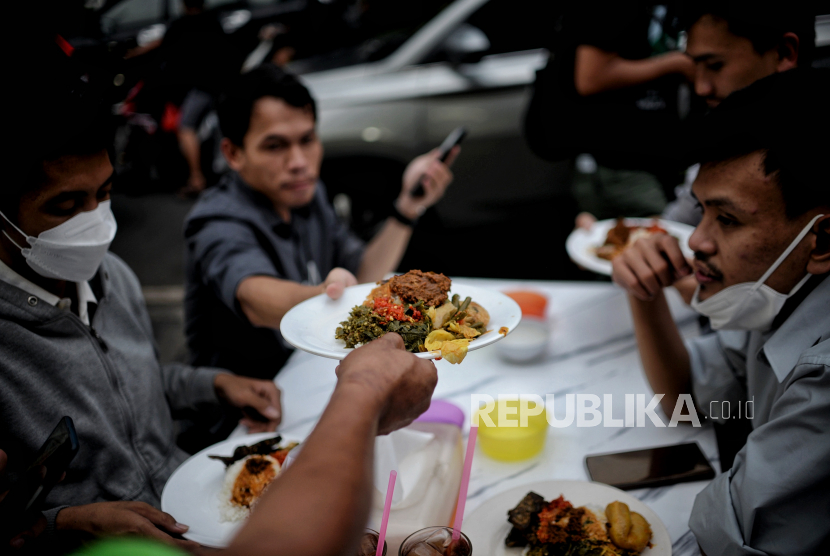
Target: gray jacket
x: 107, y: 377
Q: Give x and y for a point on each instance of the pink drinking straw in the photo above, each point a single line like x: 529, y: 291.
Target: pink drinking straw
x: 465, y: 482
x: 386, y: 509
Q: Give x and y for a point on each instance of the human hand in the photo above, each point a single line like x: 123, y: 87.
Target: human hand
x: 259, y: 400
x: 32, y: 524
x: 402, y: 383
x: 436, y: 177
x: 109, y: 519
x: 650, y: 264
x: 338, y: 280
x: 585, y: 220
x: 682, y: 64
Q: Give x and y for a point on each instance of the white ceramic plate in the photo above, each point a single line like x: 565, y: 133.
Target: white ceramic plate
x: 581, y: 244
x: 191, y: 494
x: 310, y: 325
x: 487, y: 526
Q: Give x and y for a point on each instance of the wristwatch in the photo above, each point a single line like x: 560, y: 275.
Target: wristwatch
x: 403, y: 219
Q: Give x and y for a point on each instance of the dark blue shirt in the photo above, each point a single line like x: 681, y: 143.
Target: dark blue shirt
x: 232, y: 233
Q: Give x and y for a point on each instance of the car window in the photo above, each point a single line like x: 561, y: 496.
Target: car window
x: 513, y: 25
x: 132, y: 13
x: 509, y: 26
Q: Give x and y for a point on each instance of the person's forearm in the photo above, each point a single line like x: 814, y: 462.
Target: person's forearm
x: 320, y: 504
x: 597, y: 70
x: 189, y: 145
x: 266, y: 300
x: 664, y: 357
x: 384, y: 252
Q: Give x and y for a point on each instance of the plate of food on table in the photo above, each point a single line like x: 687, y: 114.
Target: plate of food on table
x: 595, y: 248
x: 435, y: 318
x: 214, y: 490
x: 574, y: 518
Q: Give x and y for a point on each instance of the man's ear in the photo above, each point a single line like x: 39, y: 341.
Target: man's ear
x: 819, y: 262
x: 233, y: 154
x: 787, y: 52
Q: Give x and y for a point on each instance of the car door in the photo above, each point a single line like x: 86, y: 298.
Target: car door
x: 488, y: 94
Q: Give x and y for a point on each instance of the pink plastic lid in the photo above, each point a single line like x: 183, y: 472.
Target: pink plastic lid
x: 442, y: 411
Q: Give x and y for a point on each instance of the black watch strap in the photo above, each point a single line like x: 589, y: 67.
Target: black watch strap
x: 400, y: 217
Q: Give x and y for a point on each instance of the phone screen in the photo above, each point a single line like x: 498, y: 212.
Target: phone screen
x: 652, y: 467
x: 43, y: 473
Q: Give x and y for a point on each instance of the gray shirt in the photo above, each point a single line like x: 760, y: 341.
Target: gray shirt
x: 776, y: 497
x: 107, y: 378
x: 232, y: 233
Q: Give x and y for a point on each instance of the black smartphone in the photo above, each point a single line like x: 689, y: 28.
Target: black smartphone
x: 454, y: 138
x: 30, y: 487
x: 653, y: 467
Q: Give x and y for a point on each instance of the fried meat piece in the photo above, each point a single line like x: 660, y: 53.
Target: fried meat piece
x: 522, y: 516
x: 618, y: 235
x: 430, y: 287
x: 255, y: 476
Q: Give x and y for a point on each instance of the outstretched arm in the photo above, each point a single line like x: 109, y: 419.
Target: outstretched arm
x: 598, y: 70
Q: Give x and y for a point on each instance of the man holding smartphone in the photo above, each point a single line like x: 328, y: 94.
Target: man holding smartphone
x: 266, y: 238
x: 762, y: 261
x: 75, y: 335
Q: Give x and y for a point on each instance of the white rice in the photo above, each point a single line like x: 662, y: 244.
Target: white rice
x: 228, y: 511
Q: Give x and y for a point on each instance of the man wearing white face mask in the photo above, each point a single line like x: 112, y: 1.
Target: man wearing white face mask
x: 75, y: 335
x: 762, y: 261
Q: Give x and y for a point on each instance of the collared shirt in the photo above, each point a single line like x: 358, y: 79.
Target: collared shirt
x: 232, y: 233
x: 776, y: 497
x: 85, y: 293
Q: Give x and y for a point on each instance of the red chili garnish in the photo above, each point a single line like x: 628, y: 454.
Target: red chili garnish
x: 384, y: 307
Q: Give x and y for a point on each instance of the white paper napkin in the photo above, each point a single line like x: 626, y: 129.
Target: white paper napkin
x: 391, y: 452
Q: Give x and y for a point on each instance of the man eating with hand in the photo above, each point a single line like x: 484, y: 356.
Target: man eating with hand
x: 762, y: 259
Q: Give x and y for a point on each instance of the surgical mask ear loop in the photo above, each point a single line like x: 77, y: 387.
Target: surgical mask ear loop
x: 786, y: 253
x: 6, y: 218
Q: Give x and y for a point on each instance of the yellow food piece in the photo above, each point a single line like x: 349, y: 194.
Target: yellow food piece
x: 454, y: 351
x: 464, y: 330
x: 476, y: 314
x: 442, y: 314
x: 627, y: 529
x: 437, y: 338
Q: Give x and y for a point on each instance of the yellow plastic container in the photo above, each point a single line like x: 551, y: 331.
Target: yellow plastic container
x: 512, y: 441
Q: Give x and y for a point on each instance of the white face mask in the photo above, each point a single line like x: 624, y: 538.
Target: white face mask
x: 72, y: 251
x: 750, y: 305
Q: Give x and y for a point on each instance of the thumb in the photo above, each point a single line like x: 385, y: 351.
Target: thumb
x: 335, y: 290
x: 263, y: 406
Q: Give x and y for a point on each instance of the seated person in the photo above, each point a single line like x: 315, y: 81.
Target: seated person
x: 75, y: 335
x: 731, y: 47
x: 762, y: 261
x: 334, y: 469
x: 266, y: 238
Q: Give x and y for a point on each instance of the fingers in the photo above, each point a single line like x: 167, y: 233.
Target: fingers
x: 585, y: 220
x: 335, y: 290
x: 160, y: 519
x: 625, y: 277
x: 393, y: 339
x: 649, y: 265
x: 454, y: 152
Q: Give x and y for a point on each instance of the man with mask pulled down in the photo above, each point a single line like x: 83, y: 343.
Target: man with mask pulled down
x: 75, y: 335
x: 762, y: 260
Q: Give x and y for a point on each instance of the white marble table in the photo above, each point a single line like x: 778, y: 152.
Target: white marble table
x: 592, y: 351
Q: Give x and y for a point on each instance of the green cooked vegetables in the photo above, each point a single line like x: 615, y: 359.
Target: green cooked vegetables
x: 365, y: 324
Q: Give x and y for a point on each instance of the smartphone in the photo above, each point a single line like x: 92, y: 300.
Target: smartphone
x: 29, y: 488
x: 454, y: 138
x: 653, y: 467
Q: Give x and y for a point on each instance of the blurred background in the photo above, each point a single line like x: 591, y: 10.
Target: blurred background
x: 391, y: 77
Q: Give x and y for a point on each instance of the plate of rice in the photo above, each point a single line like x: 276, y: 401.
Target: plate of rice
x: 213, y: 497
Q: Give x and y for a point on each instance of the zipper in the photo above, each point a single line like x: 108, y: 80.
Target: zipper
x: 100, y: 340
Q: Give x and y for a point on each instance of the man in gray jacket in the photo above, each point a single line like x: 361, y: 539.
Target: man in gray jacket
x: 76, y: 340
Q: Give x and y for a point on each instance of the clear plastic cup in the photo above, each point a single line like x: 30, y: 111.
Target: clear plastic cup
x: 369, y: 544
x: 435, y: 541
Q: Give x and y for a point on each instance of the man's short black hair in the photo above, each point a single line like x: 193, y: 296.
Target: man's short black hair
x: 64, y: 116
x: 786, y: 116
x: 763, y: 22
x: 237, y: 105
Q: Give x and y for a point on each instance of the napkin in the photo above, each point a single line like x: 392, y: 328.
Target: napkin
x: 397, y: 451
